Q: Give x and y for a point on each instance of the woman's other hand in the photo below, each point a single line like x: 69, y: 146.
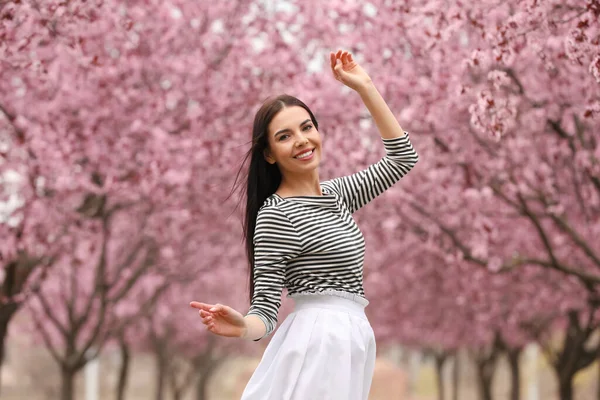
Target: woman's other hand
x: 221, y: 320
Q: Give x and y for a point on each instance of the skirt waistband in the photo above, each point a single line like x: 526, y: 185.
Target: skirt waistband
x: 334, y: 300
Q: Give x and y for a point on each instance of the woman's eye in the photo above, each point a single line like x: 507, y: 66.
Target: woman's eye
x: 283, y: 137
x: 307, y: 127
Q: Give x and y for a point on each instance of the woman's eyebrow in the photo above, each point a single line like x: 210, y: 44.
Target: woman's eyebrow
x: 287, y: 129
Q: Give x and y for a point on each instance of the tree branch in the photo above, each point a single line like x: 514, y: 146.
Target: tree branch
x: 49, y: 314
x: 576, y: 238
x: 515, y: 262
x: 46, y: 338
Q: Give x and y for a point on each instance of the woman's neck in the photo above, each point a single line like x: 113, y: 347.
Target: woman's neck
x: 299, y: 188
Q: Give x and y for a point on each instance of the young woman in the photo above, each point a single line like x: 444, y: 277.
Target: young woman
x: 300, y: 235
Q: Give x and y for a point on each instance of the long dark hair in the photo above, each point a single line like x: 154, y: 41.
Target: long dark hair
x: 263, y: 178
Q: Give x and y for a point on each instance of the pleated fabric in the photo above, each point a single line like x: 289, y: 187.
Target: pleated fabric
x: 324, y: 350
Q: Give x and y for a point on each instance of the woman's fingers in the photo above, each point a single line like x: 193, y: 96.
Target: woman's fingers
x: 201, y: 306
x: 333, y: 61
x: 220, y: 319
x: 206, y: 316
x: 345, y: 58
x: 337, y: 56
x: 219, y: 309
x: 207, y: 310
x: 339, y: 61
x: 212, y: 315
x: 339, y: 70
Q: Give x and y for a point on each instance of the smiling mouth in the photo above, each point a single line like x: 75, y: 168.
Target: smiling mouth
x: 305, y: 154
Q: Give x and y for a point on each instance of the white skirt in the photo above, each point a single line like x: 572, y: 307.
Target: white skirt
x: 324, y: 350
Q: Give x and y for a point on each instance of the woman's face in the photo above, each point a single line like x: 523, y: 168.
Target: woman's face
x: 294, y: 142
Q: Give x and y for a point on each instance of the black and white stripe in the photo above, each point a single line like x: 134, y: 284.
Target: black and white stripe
x: 311, y: 244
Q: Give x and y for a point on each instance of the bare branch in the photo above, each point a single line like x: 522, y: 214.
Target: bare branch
x: 100, y: 278
x: 583, y: 276
x: 11, y: 119
x: 46, y: 338
x: 513, y: 263
x: 538, y: 226
x: 49, y: 314
x: 561, y: 222
x: 149, y: 261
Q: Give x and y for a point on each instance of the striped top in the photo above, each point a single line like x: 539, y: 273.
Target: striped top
x: 311, y: 244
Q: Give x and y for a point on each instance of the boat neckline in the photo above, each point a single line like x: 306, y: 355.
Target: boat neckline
x: 307, y: 196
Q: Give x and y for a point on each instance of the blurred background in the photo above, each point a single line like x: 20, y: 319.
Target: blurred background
x: 123, y: 129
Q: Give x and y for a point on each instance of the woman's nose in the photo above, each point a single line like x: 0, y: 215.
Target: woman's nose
x: 302, y: 140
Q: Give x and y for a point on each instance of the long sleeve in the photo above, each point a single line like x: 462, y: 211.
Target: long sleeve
x: 275, y: 243
x: 360, y: 188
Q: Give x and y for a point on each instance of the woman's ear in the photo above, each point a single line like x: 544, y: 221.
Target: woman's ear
x: 268, y: 157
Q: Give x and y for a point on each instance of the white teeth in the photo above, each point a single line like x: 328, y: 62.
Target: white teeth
x: 304, y: 155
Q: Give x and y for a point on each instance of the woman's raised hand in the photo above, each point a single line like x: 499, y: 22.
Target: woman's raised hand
x: 347, y: 71
x: 221, y: 320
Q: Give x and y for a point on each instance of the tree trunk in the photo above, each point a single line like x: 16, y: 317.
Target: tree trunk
x: 68, y: 383
x: 575, y: 354
x: 485, y: 382
x: 181, y: 374
x: 455, y: 376
x: 123, y: 370
x: 515, y: 378
x: 15, y: 276
x: 598, y: 375
x: 565, y: 376
x: 206, y: 371
x: 486, y: 366
x: 565, y: 388
x: 202, y: 385
x: 440, y: 360
x: 6, y: 313
x: 161, y: 375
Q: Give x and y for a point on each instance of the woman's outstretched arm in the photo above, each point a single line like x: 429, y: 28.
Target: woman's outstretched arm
x: 358, y: 189
x: 223, y: 320
x: 387, y: 124
x: 347, y: 71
